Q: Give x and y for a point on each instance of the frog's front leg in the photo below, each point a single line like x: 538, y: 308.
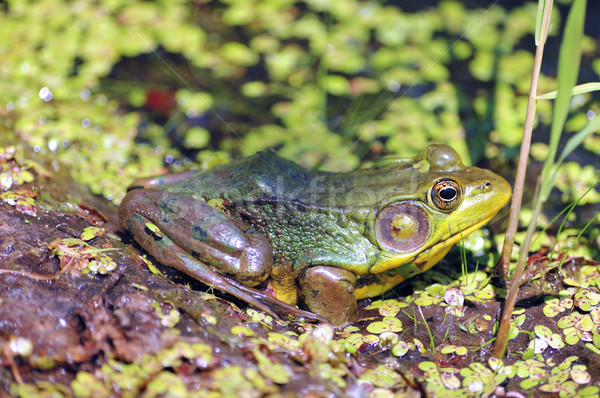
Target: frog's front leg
x: 329, y: 292
x: 200, y: 230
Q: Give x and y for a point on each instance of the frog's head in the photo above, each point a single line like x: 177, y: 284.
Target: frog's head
x: 442, y: 201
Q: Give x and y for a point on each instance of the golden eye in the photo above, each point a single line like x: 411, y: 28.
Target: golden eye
x: 445, y: 194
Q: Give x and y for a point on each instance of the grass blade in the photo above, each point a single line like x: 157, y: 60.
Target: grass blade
x: 538, y: 21
x: 579, y: 89
x: 568, y: 68
x: 578, y: 138
x: 573, y: 143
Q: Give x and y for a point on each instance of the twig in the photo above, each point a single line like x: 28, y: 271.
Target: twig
x: 515, y: 206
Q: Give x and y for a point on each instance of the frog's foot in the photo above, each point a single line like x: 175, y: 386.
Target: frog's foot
x: 269, y: 304
x: 329, y: 292
x: 181, y: 260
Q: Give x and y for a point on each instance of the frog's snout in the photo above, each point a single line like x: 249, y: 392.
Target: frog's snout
x: 499, y: 189
x: 159, y: 181
x: 134, y: 187
x: 145, y: 183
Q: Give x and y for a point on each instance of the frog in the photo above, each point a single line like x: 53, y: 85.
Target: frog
x: 297, y: 242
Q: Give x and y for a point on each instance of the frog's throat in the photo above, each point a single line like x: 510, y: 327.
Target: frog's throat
x: 431, y: 255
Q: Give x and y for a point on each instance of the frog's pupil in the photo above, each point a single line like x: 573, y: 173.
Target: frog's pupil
x: 447, y: 193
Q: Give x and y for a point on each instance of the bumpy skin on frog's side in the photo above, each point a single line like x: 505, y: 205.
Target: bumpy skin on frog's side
x: 315, y: 239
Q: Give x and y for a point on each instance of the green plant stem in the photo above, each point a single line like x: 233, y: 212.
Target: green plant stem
x: 515, y: 207
x: 509, y: 304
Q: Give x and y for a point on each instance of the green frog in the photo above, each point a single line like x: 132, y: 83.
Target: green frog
x: 277, y: 235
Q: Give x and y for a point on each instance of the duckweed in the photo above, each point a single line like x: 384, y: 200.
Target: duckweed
x: 78, y: 257
x: 22, y: 200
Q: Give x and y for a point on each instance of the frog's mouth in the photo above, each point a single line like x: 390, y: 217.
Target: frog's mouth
x: 407, y: 267
x: 435, y: 253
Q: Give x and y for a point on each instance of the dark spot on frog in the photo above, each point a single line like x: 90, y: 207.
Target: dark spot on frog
x: 198, y: 233
x: 170, y: 204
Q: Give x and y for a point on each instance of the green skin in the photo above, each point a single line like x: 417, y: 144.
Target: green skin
x: 277, y: 235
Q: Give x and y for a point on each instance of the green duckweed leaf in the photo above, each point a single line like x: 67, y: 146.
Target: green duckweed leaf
x: 571, y: 336
x: 353, y: 342
x: 590, y: 391
x: 388, y: 324
x: 391, y: 307
x: 520, y: 319
x: 551, y: 387
x: 596, y: 338
x: 150, y: 266
x: 22, y: 200
x: 381, y: 376
x: 543, y: 332
x: 284, y: 340
x: 580, y: 375
x: 593, y: 348
x: 450, y: 381
x: 484, y: 294
x: 155, y: 230
x: 274, y: 371
x: 401, y: 348
x: 585, y: 324
x: 595, y: 315
x: 556, y: 341
x: 528, y: 384
x: 197, y: 137
x: 87, y: 385
x: 241, y: 330
x: 567, y: 321
x: 427, y: 366
x: 90, y: 233
x: 552, y: 308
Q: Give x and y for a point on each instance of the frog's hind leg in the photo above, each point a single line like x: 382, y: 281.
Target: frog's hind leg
x: 176, y: 254
x: 199, y: 229
x: 183, y: 261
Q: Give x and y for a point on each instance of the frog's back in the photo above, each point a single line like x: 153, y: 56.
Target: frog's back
x: 264, y: 176
x: 267, y: 178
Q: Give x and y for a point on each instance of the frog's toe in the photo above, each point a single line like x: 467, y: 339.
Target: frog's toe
x: 256, y: 260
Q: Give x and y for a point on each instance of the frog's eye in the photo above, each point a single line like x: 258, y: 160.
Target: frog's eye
x: 402, y: 227
x: 445, y: 194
